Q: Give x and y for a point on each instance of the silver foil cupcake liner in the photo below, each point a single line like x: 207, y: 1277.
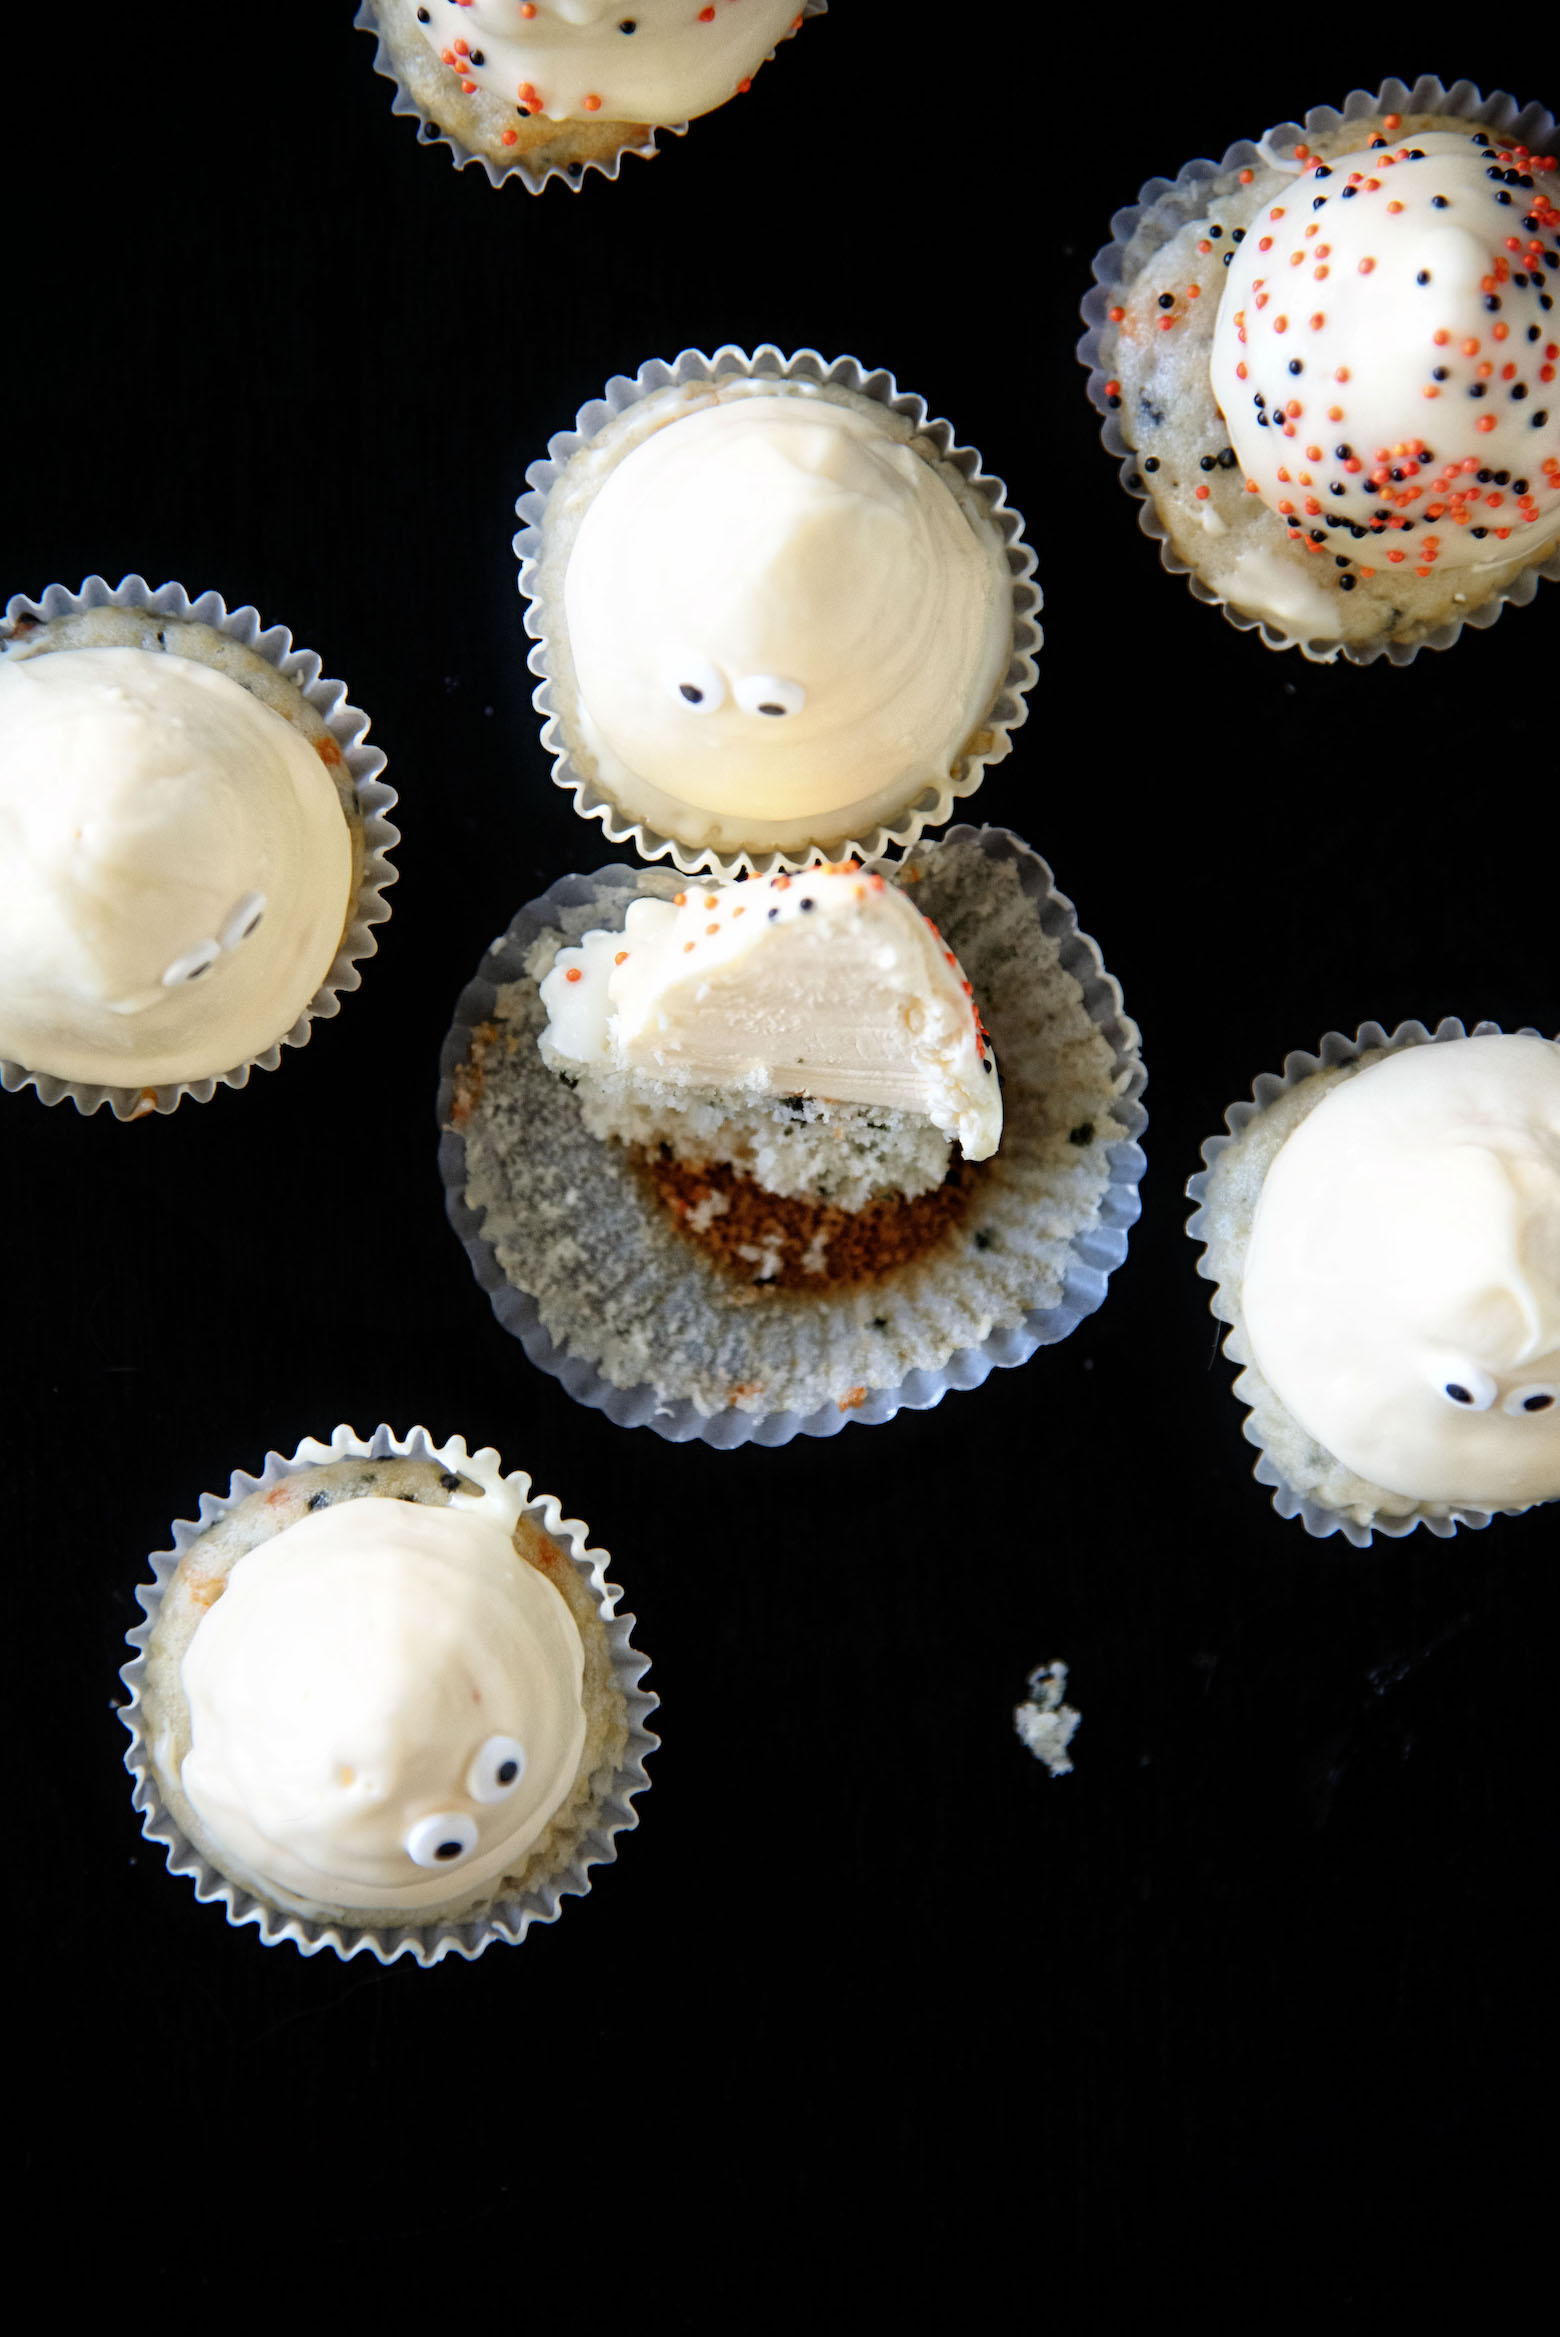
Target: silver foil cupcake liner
x: 1437, y: 1518
x: 1080, y: 1274
x: 1164, y: 205
x: 433, y: 133
x: 347, y: 725
x: 424, y: 1943
x: 932, y: 804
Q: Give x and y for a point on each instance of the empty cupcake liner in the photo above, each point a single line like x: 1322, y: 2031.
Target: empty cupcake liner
x: 424, y: 1943
x: 1063, y: 1240
x: 347, y: 725
x: 433, y: 132
x: 1164, y: 205
x: 933, y: 803
x: 1439, y: 1518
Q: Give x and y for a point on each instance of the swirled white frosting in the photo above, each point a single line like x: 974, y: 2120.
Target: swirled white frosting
x: 828, y: 984
x: 1402, y: 1282
x: 659, y: 61
x: 776, y: 608
x: 354, y: 1682
x: 1386, y: 349
x: 175, y: 868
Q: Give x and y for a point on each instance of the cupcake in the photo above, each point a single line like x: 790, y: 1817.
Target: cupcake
x: 1331, y: 364
x: 1383, y: 1228
x: 191, y: 845
x: 778, y: 611
x: 738, y: 1160
x: 540, y: 89
x: 382, y: 1703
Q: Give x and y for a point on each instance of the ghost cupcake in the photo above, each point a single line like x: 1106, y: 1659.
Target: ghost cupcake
x: 537, y: 89
x: 382, y: 1702
x: 1383, y: 1227
x: 744, y: 1160
x: 192, y: 846
x: 778, y: 610
x: 1331, y: 364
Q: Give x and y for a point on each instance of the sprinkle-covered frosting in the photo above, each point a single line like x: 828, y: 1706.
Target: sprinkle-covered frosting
x: 1386, y: 353
x: 828, y: 984
x: 1401, y: 1289
x: 656, y: 61
x: 175, y: 868
x: 775, y: 608
x: 385, y: 1703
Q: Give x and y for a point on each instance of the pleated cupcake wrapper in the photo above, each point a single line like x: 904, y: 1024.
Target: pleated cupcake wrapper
x: 347, y: 725
x: 1083, y: 1272
x: 433, y: 133
x: 425, y: 1943
x: 1437, y: 1517
x: 932, y: 802
x: 1165, y: 205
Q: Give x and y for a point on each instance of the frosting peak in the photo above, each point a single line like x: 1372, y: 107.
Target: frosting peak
x: 777, y: 608
x: 1386, y: 351
x: 174, y: 867
x: 385, y: 1704
x: 1402, y: 1281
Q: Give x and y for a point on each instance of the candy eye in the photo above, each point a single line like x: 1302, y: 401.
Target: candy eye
x: 1536, y: 1398
x: 442, y: 1841
x: 193, y: 964
x: 242, y: 919
x: 769, y: 694
x: 694, y: 682
x: 496, y: 1770
x: 1469, y: 1388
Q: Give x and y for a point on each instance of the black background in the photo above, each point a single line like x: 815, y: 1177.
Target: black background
x: 1243, y: 2010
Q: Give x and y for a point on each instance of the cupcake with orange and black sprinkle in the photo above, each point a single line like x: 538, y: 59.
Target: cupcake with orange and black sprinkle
x: 1329, y: 365
x: 540, y: 89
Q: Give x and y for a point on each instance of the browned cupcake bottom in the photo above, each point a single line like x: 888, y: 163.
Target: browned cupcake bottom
x: 791, y: 1242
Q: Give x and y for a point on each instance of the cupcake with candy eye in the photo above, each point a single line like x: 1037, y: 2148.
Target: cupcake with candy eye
x: 779, y: 611
x: 742, y: 1160
x: 1332, y: 367
x: 383, y: 1702
x: 1383, y: 1227
x: 537, y: 89
x: 194, y: 845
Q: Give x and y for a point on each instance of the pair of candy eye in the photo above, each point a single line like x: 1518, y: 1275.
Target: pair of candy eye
x: 451, y: 1835
x: 1475, y: 1391
x: 700, y: 687
x: 237, y: 926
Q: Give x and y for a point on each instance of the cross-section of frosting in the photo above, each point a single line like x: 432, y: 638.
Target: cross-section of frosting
x: 385, y: 1703
x: 1402, y: 1282
x: 1386, y: 352
x: 829, y: 984
x: 175, y: 868
x: 658, y: 61
x: 776, y: 607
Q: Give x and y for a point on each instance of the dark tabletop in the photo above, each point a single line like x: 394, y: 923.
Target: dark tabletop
x: 1249, y: 2003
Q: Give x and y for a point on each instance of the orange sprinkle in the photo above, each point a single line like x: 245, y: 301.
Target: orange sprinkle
x: 574, y: 975
x: 621, y: 955
x: 591, y: 104
x: 679, y: 900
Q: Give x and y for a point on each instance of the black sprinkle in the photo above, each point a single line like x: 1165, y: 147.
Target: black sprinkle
x: 318, y: 1500
x: 450, y: 1481
x: 807, y: 902
x: 1082, y: 1134
x: 1347, y: 583
x: 983, y: 1241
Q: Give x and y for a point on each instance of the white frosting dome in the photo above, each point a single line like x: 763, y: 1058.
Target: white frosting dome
x: 1402, y: 1281
x: 1386, y: 349
x: 175, y: 868
x: 829, y: 984
x: 660, y: 61
x: 775, y: 609
x: 385, y: 1704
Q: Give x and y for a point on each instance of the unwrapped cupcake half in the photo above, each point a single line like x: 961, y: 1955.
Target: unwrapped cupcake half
x: 1382, y: 1227
x: 743, y: 1160
x: 1330, y: 364
x: 778, y: 611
